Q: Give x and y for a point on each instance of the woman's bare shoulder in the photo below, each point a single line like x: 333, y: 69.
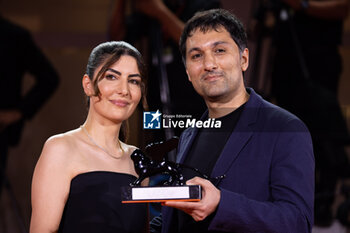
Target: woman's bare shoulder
x: 59, y: 146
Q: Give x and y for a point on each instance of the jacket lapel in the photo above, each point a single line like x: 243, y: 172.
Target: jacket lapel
x: 236, y: 142
x: 240, y: 136
x: 187, y: 140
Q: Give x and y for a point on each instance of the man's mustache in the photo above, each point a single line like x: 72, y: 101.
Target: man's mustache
x: 212, y: 73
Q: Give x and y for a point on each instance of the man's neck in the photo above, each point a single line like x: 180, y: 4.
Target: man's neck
x: 218, y: 109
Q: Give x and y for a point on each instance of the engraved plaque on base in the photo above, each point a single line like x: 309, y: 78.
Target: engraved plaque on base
x: 137, y: 194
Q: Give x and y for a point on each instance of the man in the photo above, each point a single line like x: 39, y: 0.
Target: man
x: 19, y: 55
x: 263, y: 153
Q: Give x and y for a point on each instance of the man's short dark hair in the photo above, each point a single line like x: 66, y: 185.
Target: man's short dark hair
x: 214, y: 19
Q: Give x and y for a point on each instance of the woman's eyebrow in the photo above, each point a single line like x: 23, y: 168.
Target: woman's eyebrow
x: 119, y: 73
x: 114, y: 71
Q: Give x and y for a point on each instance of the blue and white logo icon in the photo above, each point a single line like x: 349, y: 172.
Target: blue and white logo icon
x: 151, y: 120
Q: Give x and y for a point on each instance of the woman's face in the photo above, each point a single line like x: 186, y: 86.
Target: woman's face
x: 120, y: 90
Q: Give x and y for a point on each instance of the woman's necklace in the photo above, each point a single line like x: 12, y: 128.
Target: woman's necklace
x: 93, y: 141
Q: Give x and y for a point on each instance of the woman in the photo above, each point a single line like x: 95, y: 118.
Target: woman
x: 77, y: 180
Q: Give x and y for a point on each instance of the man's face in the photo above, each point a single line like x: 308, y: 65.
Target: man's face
x: 214, y: 65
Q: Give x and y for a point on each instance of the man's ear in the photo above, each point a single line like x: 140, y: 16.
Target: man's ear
x: 87, y: 85
x: 188, y: 76
x: 245, y: 59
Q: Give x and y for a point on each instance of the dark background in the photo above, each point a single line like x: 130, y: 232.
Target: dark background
x: 67, y: 30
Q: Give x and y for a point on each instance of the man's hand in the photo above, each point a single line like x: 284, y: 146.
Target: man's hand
x: 202, y: 209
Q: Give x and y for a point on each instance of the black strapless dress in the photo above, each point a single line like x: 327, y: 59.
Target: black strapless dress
x: 94, y: 206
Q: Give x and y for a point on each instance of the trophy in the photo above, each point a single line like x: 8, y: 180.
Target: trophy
x: 174, y: 189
